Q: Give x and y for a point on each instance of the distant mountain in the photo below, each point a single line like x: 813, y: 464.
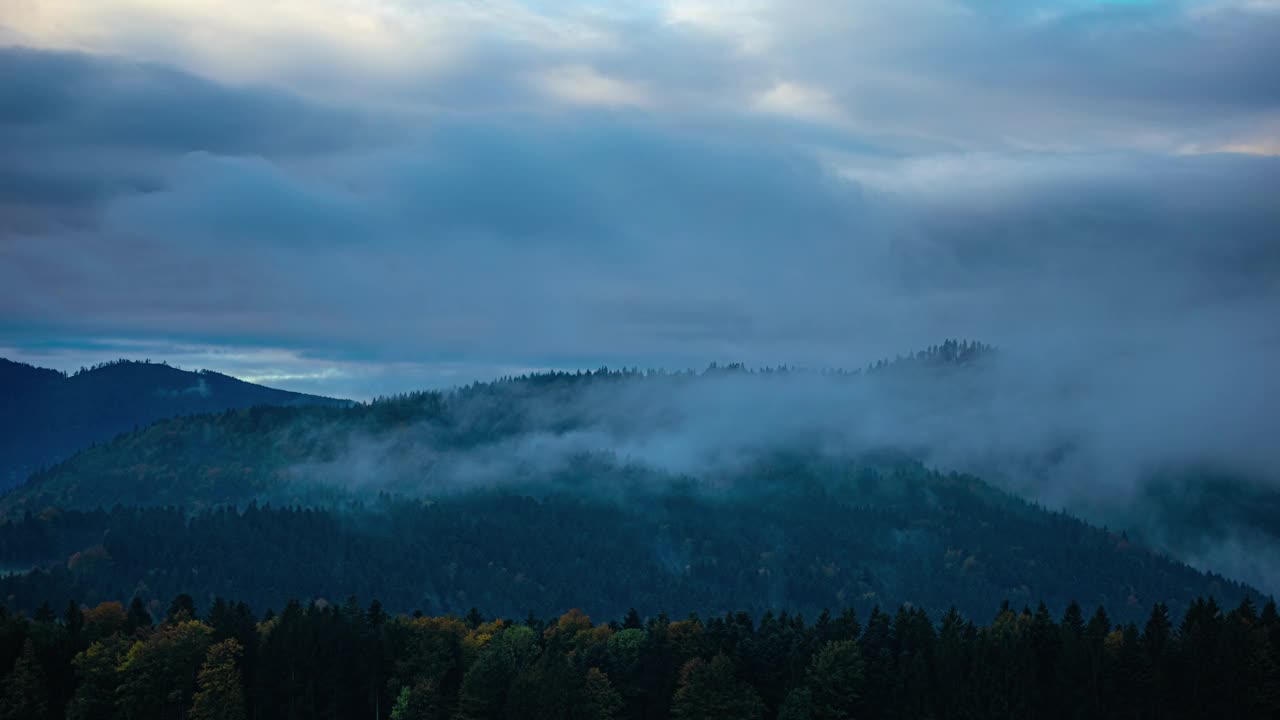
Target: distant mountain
x: 315, y: 448
x: 727, y: 488
x: 509, y: 430
x: 45, y: 415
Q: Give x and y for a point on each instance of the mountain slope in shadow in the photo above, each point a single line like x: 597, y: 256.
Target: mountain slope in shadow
x: 45, y: 415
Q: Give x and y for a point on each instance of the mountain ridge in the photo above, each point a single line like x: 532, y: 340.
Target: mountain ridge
x: 167, y: 462
x: 779, y: 486
x: 47, y: 415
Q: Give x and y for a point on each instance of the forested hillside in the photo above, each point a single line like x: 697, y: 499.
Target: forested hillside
x: 721, y: 490
x: 791, y: 532
x: 509, y: 431
x: 45, y: 416
x: 345, y: 660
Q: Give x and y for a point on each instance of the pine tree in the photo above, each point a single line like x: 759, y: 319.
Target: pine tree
x: 600, y: 700
x: 633, y: 620
x: 137, y: 617
x: 25, y: 696
x: 73, y: 620
x: 798, y: 705
x: 182, y: 608
x: 836, y: 679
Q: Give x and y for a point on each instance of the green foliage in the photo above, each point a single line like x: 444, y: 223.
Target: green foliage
x: 835, y: 681
x: 420, y: 701
x: 25, y: 695
x: 220, y: 696
x: 486, y: 687
x: 158, y: 674
x: 341, y: 661
x: 712, y: 691
x: 600, y: 700
x: 96, y: 671
x: 797, y: 706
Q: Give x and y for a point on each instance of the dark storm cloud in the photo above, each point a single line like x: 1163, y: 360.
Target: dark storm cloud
x: 56, y: 99
x: 1127, y: 54
x: 484, y: 230
x: 631, y: 238
x: 77, y: 129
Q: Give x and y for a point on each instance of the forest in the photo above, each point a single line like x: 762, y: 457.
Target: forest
x: 346, y: 660
x: 628, y: 435
x: 493, y: 520
x: 316, y: 450
x: 833, y: 534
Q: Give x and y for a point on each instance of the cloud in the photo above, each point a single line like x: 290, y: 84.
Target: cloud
x: 802, y: 102
x: 740, y: 23
x: 567, y: 234
x: 550, y: 186
x: 635, y: 242
x: 79, y: 129
x: 1126, y: 435
x: 1265, y: 147
x: 1045, y: 74
x: 582, y: 85
x: 242, y: 41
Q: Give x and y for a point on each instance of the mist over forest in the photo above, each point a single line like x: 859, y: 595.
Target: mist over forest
x: 1068, y: 435
x: 365, y: 327
x: 1136, y: 442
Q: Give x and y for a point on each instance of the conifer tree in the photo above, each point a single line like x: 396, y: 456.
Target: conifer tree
x: 24, y: 696
x: 712, y: 691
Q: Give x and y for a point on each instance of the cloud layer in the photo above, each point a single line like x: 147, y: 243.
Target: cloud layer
x: 360, y: 192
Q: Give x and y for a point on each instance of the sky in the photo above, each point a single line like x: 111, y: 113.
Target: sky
x: 363, y: 198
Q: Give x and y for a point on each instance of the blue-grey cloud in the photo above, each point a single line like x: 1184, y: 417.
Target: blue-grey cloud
x: 632, y: 238
x: 79, y: 129
x: 803, y: 183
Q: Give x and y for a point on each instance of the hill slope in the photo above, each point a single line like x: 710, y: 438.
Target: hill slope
x: 794, y: 532
x: 45, y: 416
x: 953, y: 406
x: 607, y: 489
x: 722, y: 489
x: 490, y: 433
